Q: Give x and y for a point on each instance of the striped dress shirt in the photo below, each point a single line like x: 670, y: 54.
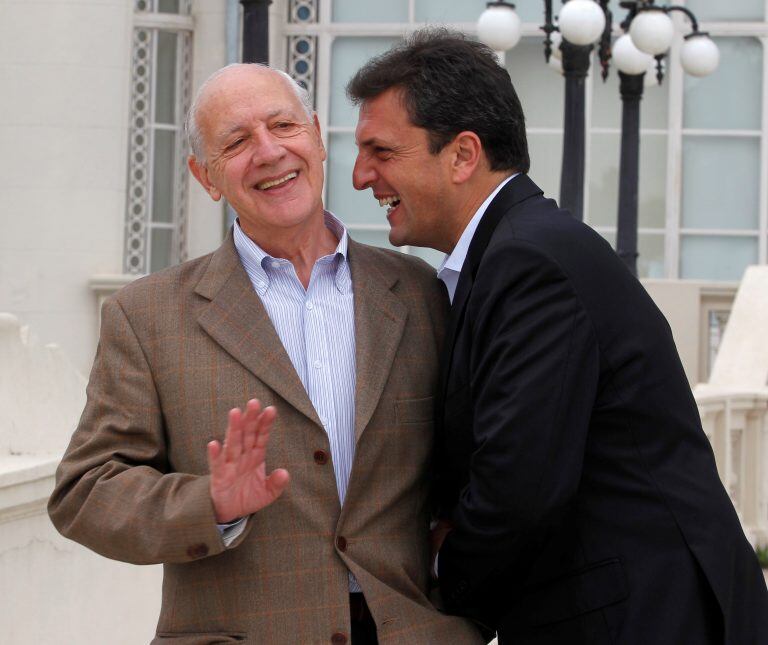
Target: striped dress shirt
x: 317, y: 329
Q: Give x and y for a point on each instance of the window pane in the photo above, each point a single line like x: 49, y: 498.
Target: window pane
x: 650, y: 262
x: 162, y: 239
x: 546, y: 152
x: 606, y: 101
x: 541, y: 90
x: 716, y: 258
x: 368, y: 11
x: 713, y: 10
x: 731, y: 97
x: 446, y: 12
x: 347, y: 56
x: 168, y: 6
x: 374, y: 238
x: 162, y: 180
x: 350, y: 205
x: 165, y: 101
x: 429, y: 255
x: 721, y: 182
x: 604, y: 180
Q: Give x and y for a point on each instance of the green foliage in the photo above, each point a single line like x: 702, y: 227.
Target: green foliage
x: 762, y: 555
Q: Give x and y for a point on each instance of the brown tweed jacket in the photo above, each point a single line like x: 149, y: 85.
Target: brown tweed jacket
x: 178, y: 349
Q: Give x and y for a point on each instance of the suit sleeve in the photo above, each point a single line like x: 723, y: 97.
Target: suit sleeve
x: 533, y: 379
x: 114, y: 492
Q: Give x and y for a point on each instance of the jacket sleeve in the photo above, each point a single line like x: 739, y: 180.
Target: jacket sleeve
x: 114, y: 492
x: 533, y: 379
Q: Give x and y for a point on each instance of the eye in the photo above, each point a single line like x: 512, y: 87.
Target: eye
x: 381, y: 152
x: 234, y: 144
x: 284, y: 127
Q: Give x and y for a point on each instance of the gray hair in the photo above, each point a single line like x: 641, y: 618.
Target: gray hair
x: 191, y: 127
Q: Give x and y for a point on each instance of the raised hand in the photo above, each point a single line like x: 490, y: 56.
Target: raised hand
x: 239, y: 482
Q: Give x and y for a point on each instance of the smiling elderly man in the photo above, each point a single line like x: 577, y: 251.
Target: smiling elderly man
x: 332, y: 344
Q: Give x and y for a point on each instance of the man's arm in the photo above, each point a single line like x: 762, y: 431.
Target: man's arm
x: 533, y: 377
x: 114, y: 492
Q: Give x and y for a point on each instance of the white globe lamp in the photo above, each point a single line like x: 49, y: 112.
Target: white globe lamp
x: 499, y: 26
x: 628, y: 58
x: 699, y: 55
x: 652, y: 31
x: 581, y: 22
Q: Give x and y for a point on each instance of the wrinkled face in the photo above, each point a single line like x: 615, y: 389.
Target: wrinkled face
x: 394, y: 161
x: 264, y: 154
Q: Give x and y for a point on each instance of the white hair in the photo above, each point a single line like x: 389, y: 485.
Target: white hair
x: 191, y: 127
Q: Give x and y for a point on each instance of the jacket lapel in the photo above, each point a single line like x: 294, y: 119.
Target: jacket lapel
x: 379, y: 322
x: 516, y: 190
x: 236, y: 319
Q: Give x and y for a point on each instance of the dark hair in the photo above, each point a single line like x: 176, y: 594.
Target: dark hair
x: 451, y: 84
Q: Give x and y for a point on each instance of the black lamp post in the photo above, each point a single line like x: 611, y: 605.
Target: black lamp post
x: 255, y: 31
x: 650, y: 36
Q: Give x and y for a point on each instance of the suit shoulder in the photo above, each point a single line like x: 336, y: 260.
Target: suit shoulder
x: 166, y: 284
x: 394, y: 262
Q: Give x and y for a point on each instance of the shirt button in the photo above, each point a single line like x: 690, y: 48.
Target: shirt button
x: 321, y: 457
x: 309, y: 306
x: 318, y: 365
x: 341, y: 543
x: 275, y: 264
x: 339, y: 639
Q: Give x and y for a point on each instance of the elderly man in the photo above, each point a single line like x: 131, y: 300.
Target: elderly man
x: 308, y: 521
x: 582, y: 491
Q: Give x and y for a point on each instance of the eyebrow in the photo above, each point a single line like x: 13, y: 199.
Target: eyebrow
x: 239, y: 126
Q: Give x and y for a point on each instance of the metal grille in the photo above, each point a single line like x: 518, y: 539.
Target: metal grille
x: 302, y: 49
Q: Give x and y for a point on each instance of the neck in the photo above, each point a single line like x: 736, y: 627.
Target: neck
x: 302, y: 245
x: 472, y: 199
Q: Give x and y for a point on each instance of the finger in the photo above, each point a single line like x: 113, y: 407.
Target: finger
x: 266, y: 420
x: 213, y: 450
x: 233, y: 440
x: 250, y: 424
x: 277, y: 482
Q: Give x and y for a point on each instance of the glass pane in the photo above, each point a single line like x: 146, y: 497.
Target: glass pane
x: 716, y: 258
x: 162, y: 180
x: 721, y: 182
x: 447, y: 12
x: 368, y: 11
x: 546, y: 152
x: 435, y: 258
x: 604, y: 180
x: 165, y: 93
x: 347, y: 56
x: 349, y: 205
x: 541, y: 89
x: 731, y: 97
x: 374, y: 238
x: 606, y: 101
x: 162, y: 239
x: 650, y: 262
x: 713, y: 10
x: 168, y: 6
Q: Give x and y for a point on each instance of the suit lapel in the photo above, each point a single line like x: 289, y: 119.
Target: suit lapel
x: 515, y: 191
x: 379, y: 323
x: 236, y: 319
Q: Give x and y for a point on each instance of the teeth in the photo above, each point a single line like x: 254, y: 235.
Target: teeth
x: 276, y: 182
x: 388, y: 201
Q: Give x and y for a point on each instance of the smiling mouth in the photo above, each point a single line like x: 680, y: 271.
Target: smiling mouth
x: 273, y: 183
x: 391, y: 202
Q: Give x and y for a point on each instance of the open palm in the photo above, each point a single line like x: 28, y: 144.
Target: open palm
x: 239, y: 482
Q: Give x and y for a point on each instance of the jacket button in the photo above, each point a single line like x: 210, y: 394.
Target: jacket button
x: 321, y: 457
x: 341, y: 543
x: 338, y: 638
x: 197, y: 551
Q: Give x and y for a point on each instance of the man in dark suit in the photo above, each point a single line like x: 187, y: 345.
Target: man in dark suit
x: 579, y: 496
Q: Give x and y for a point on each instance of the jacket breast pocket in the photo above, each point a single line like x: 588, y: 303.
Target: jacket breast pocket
x: 198, y: 638
x: 415, y: 410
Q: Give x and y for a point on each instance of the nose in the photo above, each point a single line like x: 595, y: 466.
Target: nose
x: 267, y: 149
x: 363, y: 174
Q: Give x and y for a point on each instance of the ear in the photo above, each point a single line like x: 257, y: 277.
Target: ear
x: 467, y: 154
x: 200, y: 172
x: 316, y: 123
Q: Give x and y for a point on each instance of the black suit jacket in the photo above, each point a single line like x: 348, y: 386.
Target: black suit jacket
x: 586, y: 502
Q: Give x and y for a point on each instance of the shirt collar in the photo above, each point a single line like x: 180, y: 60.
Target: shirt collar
x: 256, y: 260
x: 454, y: 261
